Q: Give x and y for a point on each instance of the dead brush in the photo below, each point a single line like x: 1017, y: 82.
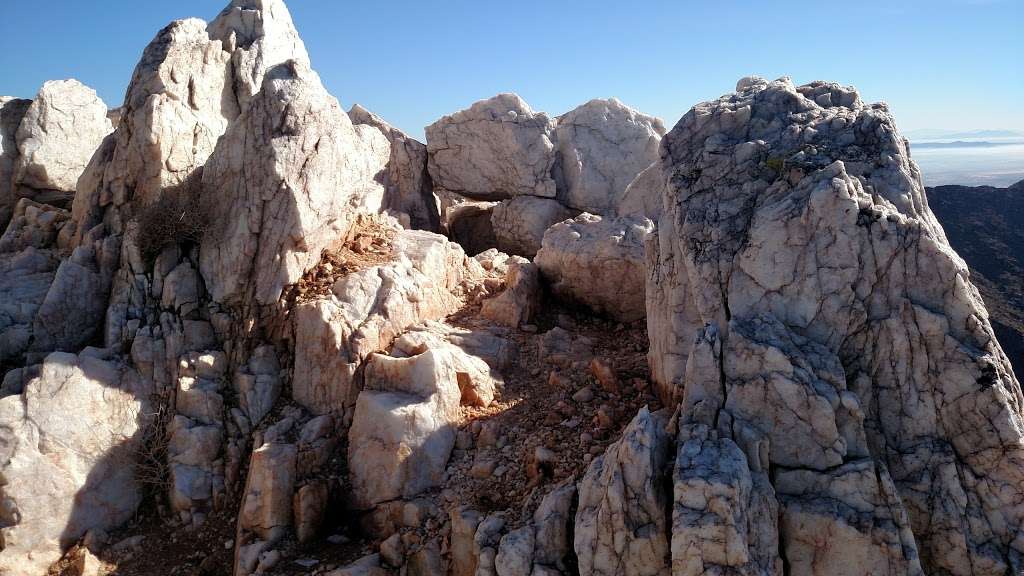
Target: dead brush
x: 149, y: 461
x: 179, y: 215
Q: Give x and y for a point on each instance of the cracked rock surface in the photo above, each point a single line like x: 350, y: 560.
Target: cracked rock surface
x: 598, y: 262
x: 603, y: 145
x: 58, y: 135
x: 495, y: 149
x: 804, y: 303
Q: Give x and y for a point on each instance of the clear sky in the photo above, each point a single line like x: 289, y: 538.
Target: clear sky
x: 956, y: 64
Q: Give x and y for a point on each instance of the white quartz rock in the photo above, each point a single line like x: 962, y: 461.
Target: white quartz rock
x: 69, y: 442
x: 497, y: 148
x: 603, y: 145
x: 599, y: 263
x: 61, y: 130
x: 292, y: 173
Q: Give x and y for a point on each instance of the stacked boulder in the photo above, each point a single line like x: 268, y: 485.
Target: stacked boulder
x: 509, y: 176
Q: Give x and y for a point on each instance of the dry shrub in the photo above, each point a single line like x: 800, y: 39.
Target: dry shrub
x: 149, y: 461
x: 179, y: 216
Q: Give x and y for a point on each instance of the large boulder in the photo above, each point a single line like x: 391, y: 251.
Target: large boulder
x: 12, y: 110
x: 69, y: 442
x: 803, y: 297
x: 290, y: 174
x: 519, y: 224
x: 61, y: 130
x: 621, y: 526
x: 403, y: 430
x: 496, y: 149
x: 598, y: 262
x: 603, y: 145
x: 408, y: 188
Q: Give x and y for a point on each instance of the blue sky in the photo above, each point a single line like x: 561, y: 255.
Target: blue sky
x: 956, y: 64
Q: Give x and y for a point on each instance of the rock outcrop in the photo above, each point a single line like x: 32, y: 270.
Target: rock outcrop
x: 495, y: 149
x: 70, y: 440
x: 366, y: 310
x: 58, y: 135
x: 408, y: 188
x: 602, y: 146
x: 293, y: 358
x: 598, y: 262
x: 292, y: 172
x: 804, y: 300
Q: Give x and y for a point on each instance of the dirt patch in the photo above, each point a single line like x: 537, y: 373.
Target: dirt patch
x: 368, y: 243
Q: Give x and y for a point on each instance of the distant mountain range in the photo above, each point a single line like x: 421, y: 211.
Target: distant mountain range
x: 983, y: 224
x: 940, y: 134
x: 964, y: 144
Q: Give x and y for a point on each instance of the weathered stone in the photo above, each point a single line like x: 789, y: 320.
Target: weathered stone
x: 291, y: 172
x: 367, y: 310
x: 12, y: 111
x: 603, y: 145
x: 464, y: 523
x: 497, y: 148
x: 267, y: 504
x: 478, y: 356
x: 402, y: 432
x: 407, y: 184
x: 519, y: 224
x: 515, y: 553
x: 69, y: 442
x: 519, y: 303
x: 643, y: 195
x: 798, y: 245
x: 553, y: 524
x: 59, y: 134
x: 260, y: 36
x: 598, y: 263
x: 620, y: 525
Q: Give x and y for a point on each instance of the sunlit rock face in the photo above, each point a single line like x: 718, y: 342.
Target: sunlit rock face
x: 603, y: 145
x: 804, y: 303
x: 292, y: 172
x: 496, y: 149
x: 69, y: 442
x: 58, y: 135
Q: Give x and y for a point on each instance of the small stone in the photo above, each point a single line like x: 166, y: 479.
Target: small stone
x: 483, y: 469
x: 392, y: 552
x: 605, y: 375
x: 268, y: 560
x: 583, y: 395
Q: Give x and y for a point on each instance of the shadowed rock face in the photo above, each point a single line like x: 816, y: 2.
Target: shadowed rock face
x: 803, y: 295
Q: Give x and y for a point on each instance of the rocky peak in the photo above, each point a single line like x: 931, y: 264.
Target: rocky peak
x: 740, y: 347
